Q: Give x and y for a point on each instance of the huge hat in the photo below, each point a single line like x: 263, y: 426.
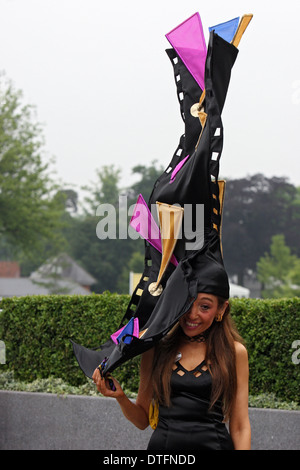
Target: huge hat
x: 182, y: 257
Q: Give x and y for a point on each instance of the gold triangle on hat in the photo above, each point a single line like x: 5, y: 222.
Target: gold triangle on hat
x: 241, y: 29
x: 222, y: 185
x: 170, y: 220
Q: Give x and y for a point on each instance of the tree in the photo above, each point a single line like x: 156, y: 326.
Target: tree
x: 255, y: 209
x: 105, y: 190
x: 148, y: 176
x: 110, y: 260
x: 279, y: 270
x: 103, y: 257
x: 69, y: 198
x: 30, y: 211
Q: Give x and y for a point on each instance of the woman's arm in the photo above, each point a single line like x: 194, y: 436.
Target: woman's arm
x: 239, y: 424
x: 138, y: 412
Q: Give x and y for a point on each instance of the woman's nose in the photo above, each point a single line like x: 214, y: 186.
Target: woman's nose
x: 193, y: 313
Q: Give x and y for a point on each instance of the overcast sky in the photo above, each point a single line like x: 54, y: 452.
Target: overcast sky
x: 103, y: 85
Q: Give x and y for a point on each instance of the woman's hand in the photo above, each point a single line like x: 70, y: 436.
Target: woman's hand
x: 104, y: 387
x: 137, y: 412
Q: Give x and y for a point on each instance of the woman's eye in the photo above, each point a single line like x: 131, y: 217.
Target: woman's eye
x: 204, y: 307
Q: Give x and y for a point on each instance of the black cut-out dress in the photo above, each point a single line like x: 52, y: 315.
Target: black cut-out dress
x: 187, y: 424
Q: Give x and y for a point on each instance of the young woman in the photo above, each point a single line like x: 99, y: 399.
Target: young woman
x: 198, y: 376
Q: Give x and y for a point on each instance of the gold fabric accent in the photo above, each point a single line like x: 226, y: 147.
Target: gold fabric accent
x: 221, y: 185
x: 202, y: 98
x: 153, y: 414
x: 241, y: 29
x: 170, y: 220
x: 203, y: 118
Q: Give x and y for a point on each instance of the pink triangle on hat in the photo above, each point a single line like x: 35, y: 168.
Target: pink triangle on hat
x: 188, y: 41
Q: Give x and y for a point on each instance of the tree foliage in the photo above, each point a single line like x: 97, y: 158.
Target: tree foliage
x: 257, y: 208
x: 106, y: 258
x: 148, y: 176
x: 30, y: 211
x: 279, y: 270
x: 38, y: 219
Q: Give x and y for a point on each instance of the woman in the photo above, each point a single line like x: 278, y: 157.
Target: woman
x: 199, y: 375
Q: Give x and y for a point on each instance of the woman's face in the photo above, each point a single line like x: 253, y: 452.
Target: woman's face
x: 201, y: 315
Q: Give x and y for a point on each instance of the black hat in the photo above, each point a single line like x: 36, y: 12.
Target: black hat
x: 190, y: 178
x: 206, y: 269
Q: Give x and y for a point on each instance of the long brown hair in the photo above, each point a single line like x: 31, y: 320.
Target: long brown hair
x: 220, y: 360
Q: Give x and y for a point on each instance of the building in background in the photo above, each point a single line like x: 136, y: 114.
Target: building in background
x: 60, y: 275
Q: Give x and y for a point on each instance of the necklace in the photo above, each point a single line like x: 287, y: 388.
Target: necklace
x: 198, y: 338
x: 201, y: 338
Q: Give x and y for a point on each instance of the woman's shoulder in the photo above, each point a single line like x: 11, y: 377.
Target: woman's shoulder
x: 241, y: 355
x: 242, y: 364
x: 240, y: 350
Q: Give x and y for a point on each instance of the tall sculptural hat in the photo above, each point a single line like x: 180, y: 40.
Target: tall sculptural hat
x: 173, y: 273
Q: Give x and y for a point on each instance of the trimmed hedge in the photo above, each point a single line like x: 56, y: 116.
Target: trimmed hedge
x: 269, y: 328
x: 36, y: 331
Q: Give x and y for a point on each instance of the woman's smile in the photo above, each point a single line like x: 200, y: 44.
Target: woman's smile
x: 191, y: 325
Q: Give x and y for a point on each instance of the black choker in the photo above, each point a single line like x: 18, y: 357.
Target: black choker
x: 201, y: 338
x: 198, y: 338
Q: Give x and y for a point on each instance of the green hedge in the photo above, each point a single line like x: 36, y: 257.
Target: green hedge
x: 36, y: 331
x: 269, y: 328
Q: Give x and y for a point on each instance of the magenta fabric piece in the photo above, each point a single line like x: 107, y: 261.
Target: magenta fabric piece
x: 177, y: 168
x: 135, y: 331
x: 143, y: 222
x: 188, y: 41
x: 116, y: 334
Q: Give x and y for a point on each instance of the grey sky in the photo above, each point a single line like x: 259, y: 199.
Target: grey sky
x: 103, y: 85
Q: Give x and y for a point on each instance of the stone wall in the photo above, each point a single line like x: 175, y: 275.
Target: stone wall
x: 40, y: 421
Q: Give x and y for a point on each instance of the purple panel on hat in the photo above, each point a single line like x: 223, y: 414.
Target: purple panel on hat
x: 188, y: 41
x: 177, y: 168
x: 143, y: 222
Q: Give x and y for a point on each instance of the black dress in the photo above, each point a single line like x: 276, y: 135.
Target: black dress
x: 187, y: 424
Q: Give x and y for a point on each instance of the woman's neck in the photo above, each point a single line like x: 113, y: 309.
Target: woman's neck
x: 200, y: 338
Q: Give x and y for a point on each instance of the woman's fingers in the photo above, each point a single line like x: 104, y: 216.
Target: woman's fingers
x: 96, y: 371
x: 102, y: 383
x: 97, y: 376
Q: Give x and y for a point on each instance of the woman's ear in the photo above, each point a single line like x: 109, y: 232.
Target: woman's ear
x: 221, y: 311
